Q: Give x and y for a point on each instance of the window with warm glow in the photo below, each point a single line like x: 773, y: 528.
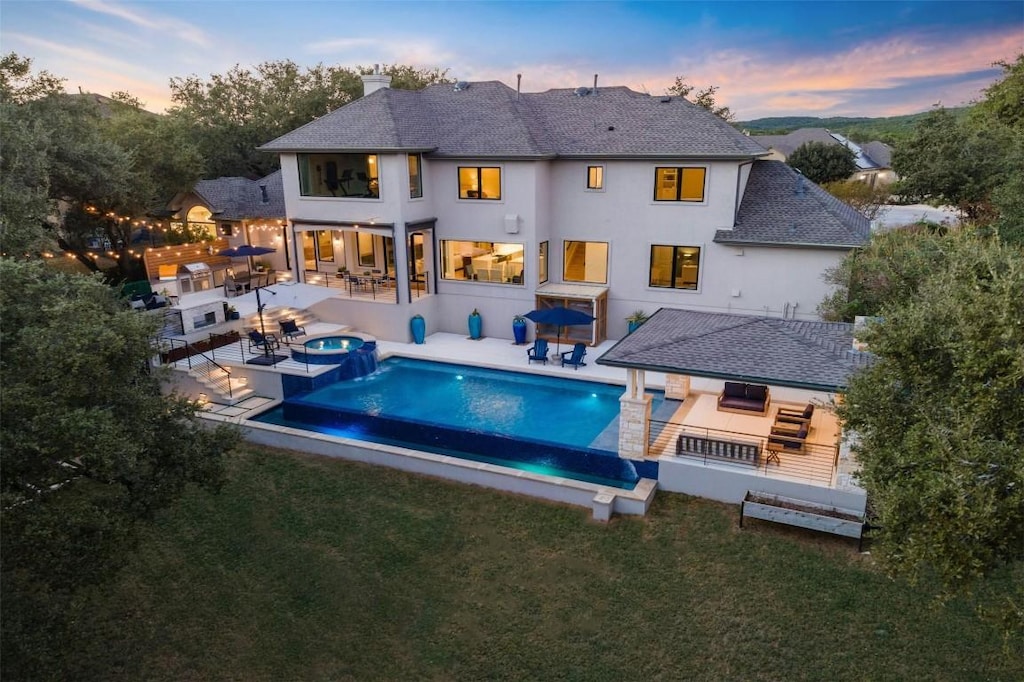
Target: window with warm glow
x: 353, y: 176
x: 585, y: 262
x: 479, y: 183
x: 367, y: 251
x: 679, y: 184
x: 324, y: 246
x: 482, y: 261
x: 415, y: 176
x: 595, y: 177
x: 542, y: 262
x: 675, y: 267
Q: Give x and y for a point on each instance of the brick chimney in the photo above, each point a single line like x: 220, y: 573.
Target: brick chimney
x: 375, y: 81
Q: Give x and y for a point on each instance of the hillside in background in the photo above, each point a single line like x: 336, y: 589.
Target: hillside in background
x: 889, y: 129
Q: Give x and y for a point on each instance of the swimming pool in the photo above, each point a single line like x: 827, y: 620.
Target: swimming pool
x: 540, y: 423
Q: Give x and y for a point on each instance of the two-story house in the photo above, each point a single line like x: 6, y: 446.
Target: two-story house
x: 478, y: 196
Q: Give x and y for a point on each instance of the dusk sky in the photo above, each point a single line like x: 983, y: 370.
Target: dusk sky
x: 769, y: 58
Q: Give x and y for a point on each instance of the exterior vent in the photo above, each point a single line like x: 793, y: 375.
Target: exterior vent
x: 666, y: 99
x: 581, y: 91
x: 461, y: 85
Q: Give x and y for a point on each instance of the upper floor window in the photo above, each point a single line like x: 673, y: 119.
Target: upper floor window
x: 482, y: 261
x: 415, y: 176
x: 479, y: 182
x: 585, y: 262
x: 679, y: 184
x: 542, y: 262
x: 595, y: 177
x: 674, y: 267
x: 339, y: 175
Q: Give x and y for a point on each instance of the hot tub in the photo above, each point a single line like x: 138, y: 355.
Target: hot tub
x: 356, y: 353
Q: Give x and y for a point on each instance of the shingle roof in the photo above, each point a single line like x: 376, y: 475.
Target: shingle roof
x: 870, y: 156
x: 489, y: 119
x: 781, y: 207
x: 880, y: 153
x: 240, y: 198
x: 787, y: 144
x: 814, y: 355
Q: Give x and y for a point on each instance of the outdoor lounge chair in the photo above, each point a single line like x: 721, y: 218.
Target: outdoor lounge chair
x: 290, y: 330
x: 788, y: 416
x: 787, y: 440
x: 576, y: 355
x: 538, y: 351
x: 262, y: 343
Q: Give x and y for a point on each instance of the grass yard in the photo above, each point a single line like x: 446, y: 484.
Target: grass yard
x: 307, y: 568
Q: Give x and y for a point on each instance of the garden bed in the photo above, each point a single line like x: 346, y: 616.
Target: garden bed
x: 802, y: 513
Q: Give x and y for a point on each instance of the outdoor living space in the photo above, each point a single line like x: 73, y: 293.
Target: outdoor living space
x: 814, y: 461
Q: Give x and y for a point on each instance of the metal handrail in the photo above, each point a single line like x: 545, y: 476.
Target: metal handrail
x: 191, y: 350
x: 666, y: 433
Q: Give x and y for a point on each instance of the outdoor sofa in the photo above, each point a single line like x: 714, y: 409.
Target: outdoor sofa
x: 744, y: 398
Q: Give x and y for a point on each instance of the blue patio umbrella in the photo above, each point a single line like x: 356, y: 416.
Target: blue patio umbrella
x: 560, y: 316
x: 246, y: 251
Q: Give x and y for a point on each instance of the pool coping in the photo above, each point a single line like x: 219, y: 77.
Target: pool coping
x: 602, y: 500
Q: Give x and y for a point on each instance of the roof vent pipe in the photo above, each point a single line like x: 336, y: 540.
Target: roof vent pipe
x: 519, y: 82
x: 595, y: 83
x: 263, y: 194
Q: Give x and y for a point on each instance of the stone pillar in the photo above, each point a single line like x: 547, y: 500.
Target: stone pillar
x: 634, y: 425
x: 677, y: 386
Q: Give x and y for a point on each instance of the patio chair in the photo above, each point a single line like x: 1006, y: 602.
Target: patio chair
x: 233, y: 288
x: 786, y: 440
x: 263, y: 343
x: 291, y: 330
x: 538, y: 351
x: 788, y: 416
x: 576, y: 356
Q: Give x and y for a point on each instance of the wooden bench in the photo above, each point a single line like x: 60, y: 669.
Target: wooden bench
x: 727, y: 450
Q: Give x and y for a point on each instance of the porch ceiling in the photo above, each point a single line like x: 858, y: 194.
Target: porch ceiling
x: 810, y: 355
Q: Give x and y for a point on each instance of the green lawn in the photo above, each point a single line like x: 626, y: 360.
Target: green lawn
x: 313, y: 569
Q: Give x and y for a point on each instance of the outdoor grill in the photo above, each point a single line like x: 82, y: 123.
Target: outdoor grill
x: 194, y: 277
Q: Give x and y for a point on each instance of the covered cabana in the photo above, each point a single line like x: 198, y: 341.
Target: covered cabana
x: 816, y: 357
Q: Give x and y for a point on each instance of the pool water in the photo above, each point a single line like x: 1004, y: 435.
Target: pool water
x: 529, y: 421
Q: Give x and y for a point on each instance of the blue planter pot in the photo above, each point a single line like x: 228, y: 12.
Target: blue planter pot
x: 633, y: 326
x: 418, y: 326
x: 519, y: 332
x: 476, y: 323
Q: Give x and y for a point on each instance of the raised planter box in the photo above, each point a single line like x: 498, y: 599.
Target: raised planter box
x: 801, y: 513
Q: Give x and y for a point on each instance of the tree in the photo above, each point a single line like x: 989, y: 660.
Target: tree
x: 25, y: 203
x: 704, y: 97
x: 821, y: 162
x: 89, y: 448
x: 939, y: 419
x: 233, y: 113
x: 952, y: 162
x: 886, y: 271
x: 866, y: 199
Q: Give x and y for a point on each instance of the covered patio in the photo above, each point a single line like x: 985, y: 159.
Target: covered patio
x: 799, y: 362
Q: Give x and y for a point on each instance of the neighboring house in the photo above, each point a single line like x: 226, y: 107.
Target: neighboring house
x: 480, y: 197
x: 874, y: 159
x: 226, y: 212
x: 230, y: 207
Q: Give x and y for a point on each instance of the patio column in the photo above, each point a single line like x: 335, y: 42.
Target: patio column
x: 634, y: 418
x: 677, y: 386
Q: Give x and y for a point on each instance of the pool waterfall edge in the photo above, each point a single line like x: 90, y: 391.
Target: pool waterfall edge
x: 602, y: 500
